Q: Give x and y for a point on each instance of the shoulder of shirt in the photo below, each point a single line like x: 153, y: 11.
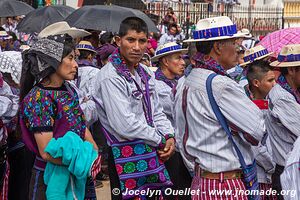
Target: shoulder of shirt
x: 278, y: 93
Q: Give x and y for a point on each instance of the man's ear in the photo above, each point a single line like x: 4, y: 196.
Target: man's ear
x: 256, y: 83
x: 118, y: 40
x: 217, y: 48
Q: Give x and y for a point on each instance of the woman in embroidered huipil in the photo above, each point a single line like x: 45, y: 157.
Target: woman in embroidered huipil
x: 49, y: 105
x: 171, y: 67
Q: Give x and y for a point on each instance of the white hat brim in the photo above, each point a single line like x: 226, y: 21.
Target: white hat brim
x: 155, y: 58
x: 237, y: 35
x: 73, y: 32
x: 259, y: 58
x: 285, y: 64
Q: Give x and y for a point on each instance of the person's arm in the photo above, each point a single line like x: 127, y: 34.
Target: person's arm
x: 240, y: 111
x: 8, y: 101
x: 113, y: 93
x: 88, y: 137
x: 287, y: 110
x: 42, y: 139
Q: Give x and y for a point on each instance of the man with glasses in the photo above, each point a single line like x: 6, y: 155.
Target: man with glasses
x: 202, y: 137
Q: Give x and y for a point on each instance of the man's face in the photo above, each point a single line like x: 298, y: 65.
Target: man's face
x: 132, y: 46
x: 296, y: 76
x: 227, y: 53
x: 266, y: 83
x: 173, y: 31
x: 175, y: 63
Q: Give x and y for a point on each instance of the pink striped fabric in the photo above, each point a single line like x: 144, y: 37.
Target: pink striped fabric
x: 4, y: 189
x: 96, y: 167
x: 265, y: 187
x: 208, y: 188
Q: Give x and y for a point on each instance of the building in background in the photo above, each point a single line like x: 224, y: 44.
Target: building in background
x: 291, y: 14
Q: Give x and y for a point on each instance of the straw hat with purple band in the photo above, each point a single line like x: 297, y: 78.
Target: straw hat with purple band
x: 85, y: 45
x: 255, y: 53
x: 289, y: 56
x: 215, y: 28
x: 168, y: 48
x: 62, y: 27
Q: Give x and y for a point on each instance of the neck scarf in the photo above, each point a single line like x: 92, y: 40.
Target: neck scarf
x: 207, y: 62
x: 159, y: 75
x: 119, y: 63
x: 284, y: 84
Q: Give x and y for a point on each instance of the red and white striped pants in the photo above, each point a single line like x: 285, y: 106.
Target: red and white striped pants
x: 266, y: 187
x: 213, y: 189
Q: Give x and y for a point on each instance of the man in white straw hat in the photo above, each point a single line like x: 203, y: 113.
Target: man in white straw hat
x: 203, y: 136
x: 171, y: 66
x: 282, y: 121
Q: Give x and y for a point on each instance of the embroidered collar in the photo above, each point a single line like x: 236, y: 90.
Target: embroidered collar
x: 207, y: 62
x: 119, y: 63
x: 159, y: 75
x: 284, y: 84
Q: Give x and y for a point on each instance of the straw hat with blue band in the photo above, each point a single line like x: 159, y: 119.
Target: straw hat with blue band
x: 289, y: 56
x: 86, y: 45
x: 255, y: 53
x: 4, y: 35
x: 168, y: 48
x: 215, y: 28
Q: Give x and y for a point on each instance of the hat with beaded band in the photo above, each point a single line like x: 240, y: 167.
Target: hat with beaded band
x: 166, y: 49
x: 215, y: 28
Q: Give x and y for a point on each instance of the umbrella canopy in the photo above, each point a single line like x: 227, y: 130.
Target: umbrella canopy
x: 276, y: 40
x: 11, y: 8
x: 136, y: 4
x: 105, y: 18
x: 37, y: 20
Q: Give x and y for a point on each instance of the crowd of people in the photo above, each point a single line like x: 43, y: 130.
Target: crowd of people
x: 219, y: 115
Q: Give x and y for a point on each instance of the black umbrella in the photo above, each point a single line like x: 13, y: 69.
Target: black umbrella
x: 105, y: 18
x: 37, y: 20
x: 136, y: 4
x: 11, y: 8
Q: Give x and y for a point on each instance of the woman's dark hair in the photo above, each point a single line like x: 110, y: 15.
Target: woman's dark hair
x: 172, y: 25
x: 133, y: 23
x: 84, y: 54
x: 106, y: 38
x: 28, y: 79
x: 205, y: 47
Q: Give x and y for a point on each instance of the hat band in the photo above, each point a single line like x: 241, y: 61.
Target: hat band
x: 289, y: 58
x: 215, y: 32
x: 252, y: 57
x: 167, y: 49
x: 85, y: 46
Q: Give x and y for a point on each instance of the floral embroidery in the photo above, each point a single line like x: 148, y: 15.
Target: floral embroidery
x: 130, y: 184
x: 141, y: 181
x: 129, y: 167
x: 127, y: 151
x: 119, y: 168
x: 141, y: 165
x: 139, y: 149
x: 116, y: 152
x: 42, y: 109
x: 152, y: 163
x: 162, y: 177
x: 152, y: 178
